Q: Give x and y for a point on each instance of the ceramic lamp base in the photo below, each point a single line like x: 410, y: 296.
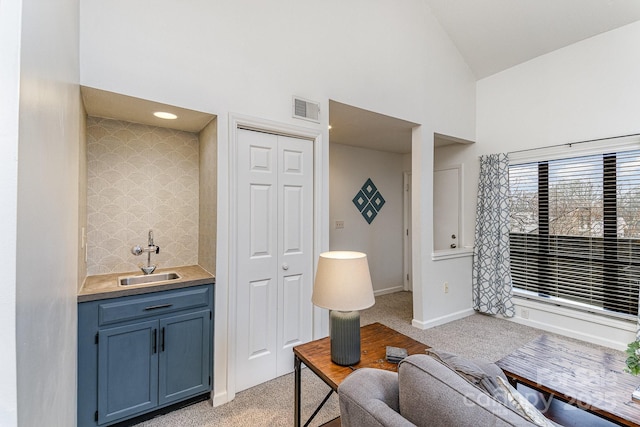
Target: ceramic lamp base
x: 345, y: 337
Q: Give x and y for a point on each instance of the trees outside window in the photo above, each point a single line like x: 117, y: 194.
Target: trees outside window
x: 575, y: 230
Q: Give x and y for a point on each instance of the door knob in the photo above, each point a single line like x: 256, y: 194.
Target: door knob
x: 285, y: 266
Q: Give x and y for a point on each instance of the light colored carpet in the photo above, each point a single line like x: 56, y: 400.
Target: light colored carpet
x: 271, y: 403
x: 476, y: 336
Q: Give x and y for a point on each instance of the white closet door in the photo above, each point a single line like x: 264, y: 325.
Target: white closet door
x: 257, y: 260
x: 274, y: 260
x: 295, y: 247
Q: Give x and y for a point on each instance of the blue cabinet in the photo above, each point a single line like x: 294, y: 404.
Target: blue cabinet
x: 140, y: 353
x: 184, y: 356
x: 127, y: 370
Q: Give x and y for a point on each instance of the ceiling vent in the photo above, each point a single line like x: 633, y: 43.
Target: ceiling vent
x: 306, y: 110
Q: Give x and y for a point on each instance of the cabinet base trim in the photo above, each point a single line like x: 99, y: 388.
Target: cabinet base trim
x: 163, y: 411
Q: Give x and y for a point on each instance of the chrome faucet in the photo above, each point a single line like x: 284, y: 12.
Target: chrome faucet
x: 151, y: 247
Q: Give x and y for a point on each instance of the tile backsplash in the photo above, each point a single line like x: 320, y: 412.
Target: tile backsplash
x: 140, y: 177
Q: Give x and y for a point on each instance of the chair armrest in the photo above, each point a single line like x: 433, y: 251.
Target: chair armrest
x: 369, y: 398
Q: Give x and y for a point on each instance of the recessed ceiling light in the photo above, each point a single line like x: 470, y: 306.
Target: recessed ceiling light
x: 165, y: 115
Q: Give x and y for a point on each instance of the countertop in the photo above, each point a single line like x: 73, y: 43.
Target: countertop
x: 106, y: 285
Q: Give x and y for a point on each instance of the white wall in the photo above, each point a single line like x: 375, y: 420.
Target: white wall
x: 382, y: 240
x: 10, y: 28
x: 250, y: 57
x: 453, y: 267
x: 585, y: 91
x: 47, y: 214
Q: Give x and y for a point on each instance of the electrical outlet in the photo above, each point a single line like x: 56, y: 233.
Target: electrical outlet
x: 339, y: 224
x: 446, y: 287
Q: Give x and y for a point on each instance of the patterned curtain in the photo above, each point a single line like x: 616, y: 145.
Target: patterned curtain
x: 638, y: 322
x: 492, y: 286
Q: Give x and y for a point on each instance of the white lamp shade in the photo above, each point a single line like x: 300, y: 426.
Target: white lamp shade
x: 343, y: 282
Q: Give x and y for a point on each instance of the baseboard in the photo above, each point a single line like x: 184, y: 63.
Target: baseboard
x: 571, y: 333
x: 601, y: 330
x: 391, y: 290
x: 443, y: 319
x: 163, y: 411
x: 220, y: 398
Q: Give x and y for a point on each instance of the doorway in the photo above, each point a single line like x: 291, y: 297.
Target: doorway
x: 446, y: 207
x: 449, y: 226
x: 370, y: 147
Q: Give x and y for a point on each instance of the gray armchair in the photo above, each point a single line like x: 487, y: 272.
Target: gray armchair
x: 425, y: 392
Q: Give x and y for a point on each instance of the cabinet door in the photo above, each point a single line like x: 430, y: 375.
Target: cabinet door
x: 184, y: 347
x: 127, y: 370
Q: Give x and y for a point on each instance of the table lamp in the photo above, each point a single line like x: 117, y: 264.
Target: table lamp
x: 343, y: 285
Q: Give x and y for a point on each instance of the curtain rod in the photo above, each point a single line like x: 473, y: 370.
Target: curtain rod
x: 574, y: 143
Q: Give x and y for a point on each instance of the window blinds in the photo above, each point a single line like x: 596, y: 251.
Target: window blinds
x: 575, y: 230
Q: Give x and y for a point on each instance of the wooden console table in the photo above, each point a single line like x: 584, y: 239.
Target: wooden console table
x: 590, y: 378
x: 316, y: 355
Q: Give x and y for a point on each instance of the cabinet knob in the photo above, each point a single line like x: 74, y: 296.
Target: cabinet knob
x: 285, y: 266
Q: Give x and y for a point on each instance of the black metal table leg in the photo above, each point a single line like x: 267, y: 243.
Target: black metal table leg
x: 318, y: 408
x: 297, y: 391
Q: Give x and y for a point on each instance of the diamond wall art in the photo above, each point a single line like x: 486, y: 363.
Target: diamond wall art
x: 368, y: 201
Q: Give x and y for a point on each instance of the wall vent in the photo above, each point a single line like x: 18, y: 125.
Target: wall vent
x: 306, y: 110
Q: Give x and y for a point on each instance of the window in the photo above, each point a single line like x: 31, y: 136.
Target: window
x: 575, y: 230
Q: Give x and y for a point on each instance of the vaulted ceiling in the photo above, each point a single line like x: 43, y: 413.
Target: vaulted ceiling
x: 493, y: 35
